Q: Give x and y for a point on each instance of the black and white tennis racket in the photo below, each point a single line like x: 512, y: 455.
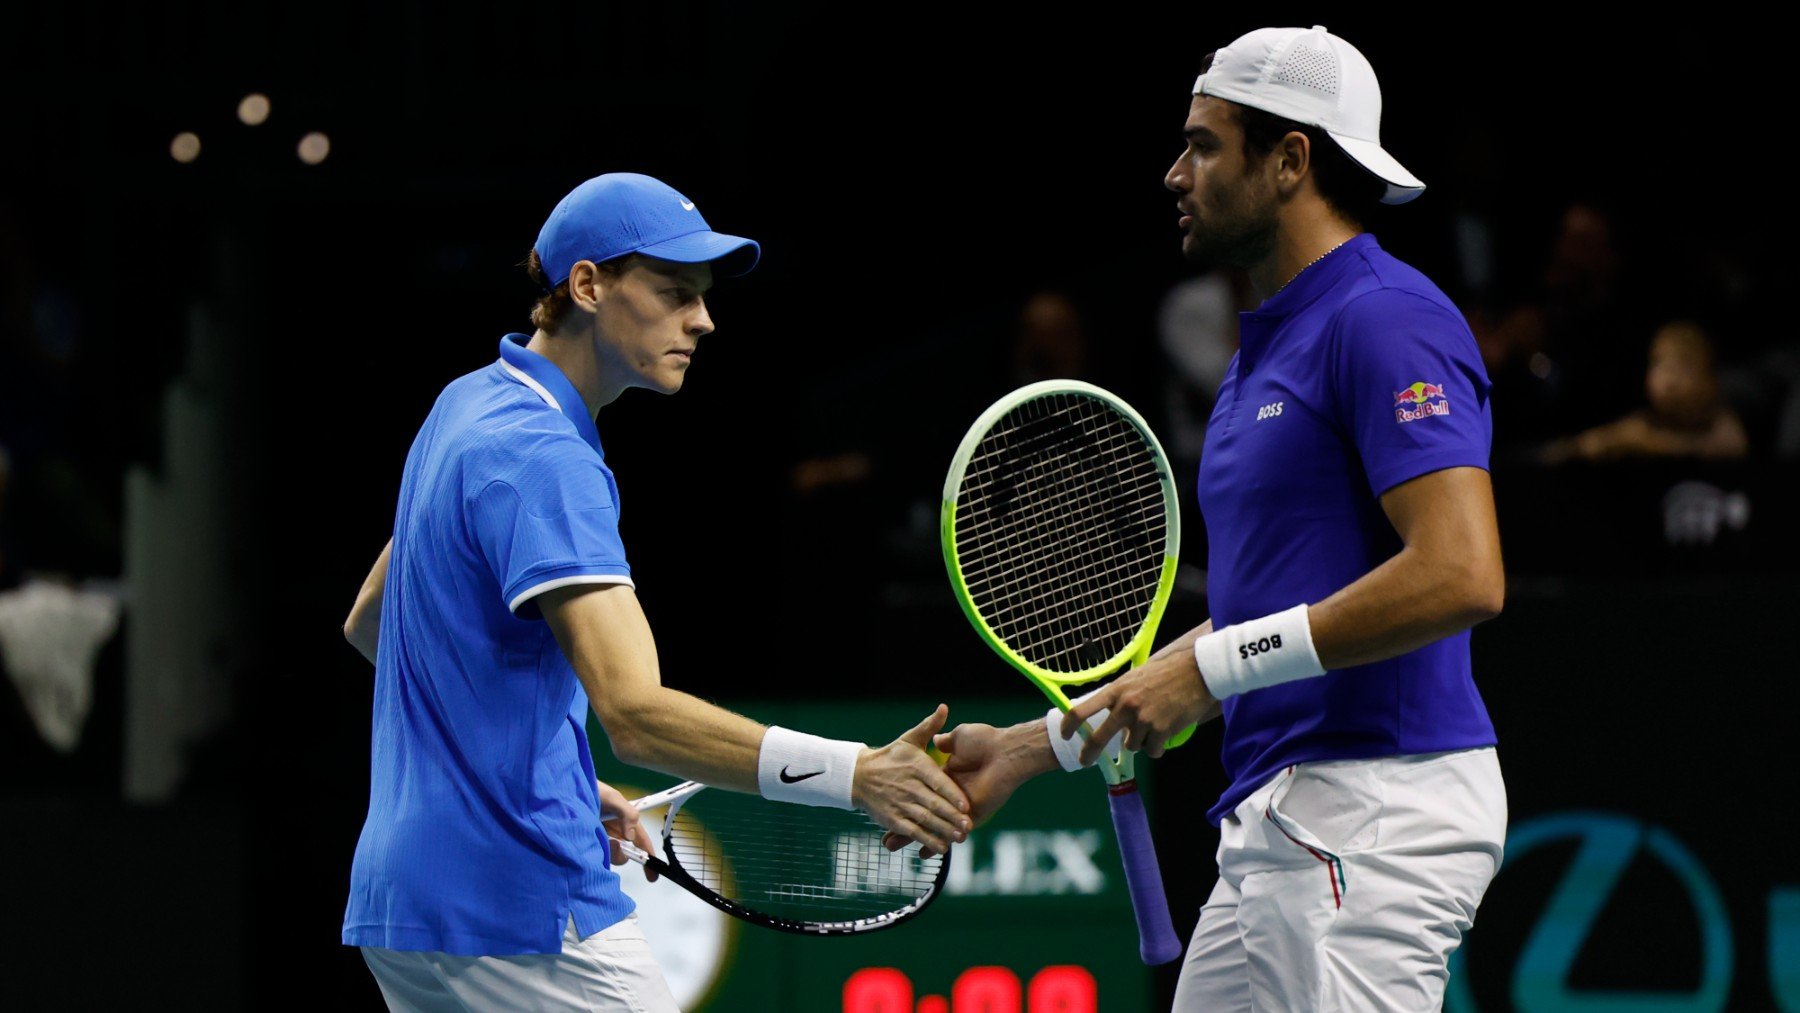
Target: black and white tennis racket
x: 1060, y: 530
x: 805, y: 869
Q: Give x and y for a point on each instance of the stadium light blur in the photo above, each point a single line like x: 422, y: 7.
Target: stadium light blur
x: 185, y: 147
x: 253, y: 109
x: 314, y: 147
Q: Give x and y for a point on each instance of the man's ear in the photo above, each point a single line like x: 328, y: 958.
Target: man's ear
x: 584, y: 286
x: 1295, y: 152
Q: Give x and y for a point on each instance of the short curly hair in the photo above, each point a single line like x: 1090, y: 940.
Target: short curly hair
x: 555, y: 303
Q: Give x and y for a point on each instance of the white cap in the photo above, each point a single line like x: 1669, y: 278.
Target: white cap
x: 1313, y: 77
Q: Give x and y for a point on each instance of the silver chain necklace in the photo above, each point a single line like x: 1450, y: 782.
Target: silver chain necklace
x: 1302, y: 271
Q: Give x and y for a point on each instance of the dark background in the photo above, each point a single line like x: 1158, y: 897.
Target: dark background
x: 913, y: 175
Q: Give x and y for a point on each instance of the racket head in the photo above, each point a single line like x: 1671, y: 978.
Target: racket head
x: 1061, y: 528
x: 803, y: 869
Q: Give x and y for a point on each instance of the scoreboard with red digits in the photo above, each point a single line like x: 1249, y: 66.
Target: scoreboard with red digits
x: 1034, y: 917
x: 1060, y: 989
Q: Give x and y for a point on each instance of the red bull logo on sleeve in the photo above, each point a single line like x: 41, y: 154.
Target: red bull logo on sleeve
x: 1419, y: 401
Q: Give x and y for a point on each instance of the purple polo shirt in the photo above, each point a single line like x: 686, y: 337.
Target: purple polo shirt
x: 1357, y: 376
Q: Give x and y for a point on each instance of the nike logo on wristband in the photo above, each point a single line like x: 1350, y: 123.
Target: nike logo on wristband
x: 793, y: 779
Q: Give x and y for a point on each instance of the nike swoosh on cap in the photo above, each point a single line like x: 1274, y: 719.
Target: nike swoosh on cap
x: 687, y: 205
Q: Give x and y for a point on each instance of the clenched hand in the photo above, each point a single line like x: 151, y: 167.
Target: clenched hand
x: 1149, y: 704
x: 620, y: 818
x: 903, y: 790
x: 989, y: 764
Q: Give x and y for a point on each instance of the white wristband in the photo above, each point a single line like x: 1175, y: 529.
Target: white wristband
x: 797, y: 767
x: 1263, y: 652
x: 1068, y: 751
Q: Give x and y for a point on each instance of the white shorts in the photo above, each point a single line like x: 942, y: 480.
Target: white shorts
x: 1347, y: 884
x: 609, y: 970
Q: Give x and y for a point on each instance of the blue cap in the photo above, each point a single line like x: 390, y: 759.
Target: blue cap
x: 627, y: 212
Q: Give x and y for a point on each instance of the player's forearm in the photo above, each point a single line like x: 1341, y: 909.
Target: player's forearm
x: 673, y: 732
x: 1413, y: 599
x: 1025, y: 749
x: 1180, y: 652
x: 605, y: 635
x: 363, y: 626
x: 1184, y: 644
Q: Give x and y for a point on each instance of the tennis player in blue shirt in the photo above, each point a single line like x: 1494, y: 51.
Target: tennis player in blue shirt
x: 503, y: 609
x: 1350, y: 524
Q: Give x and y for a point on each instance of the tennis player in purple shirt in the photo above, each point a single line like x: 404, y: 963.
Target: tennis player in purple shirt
x: 1352, y: 540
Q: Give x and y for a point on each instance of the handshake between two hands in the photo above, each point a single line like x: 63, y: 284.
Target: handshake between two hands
x: 985, y: 765
x: 902, y: 787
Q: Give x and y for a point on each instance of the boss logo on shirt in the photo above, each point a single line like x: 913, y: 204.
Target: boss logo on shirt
x: 1256, y: 647
x: 1268, y: 411
x: 1420, y: 401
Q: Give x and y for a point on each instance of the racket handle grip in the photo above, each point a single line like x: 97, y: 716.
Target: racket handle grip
x: 1157, y: 942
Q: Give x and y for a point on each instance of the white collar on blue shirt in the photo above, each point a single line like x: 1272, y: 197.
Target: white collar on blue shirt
x: 544, y: 377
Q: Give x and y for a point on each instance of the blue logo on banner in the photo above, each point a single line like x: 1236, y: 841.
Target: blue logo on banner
x: 1608, y: 844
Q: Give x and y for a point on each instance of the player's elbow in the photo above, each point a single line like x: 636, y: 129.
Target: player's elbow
x: 1481, y: 595
x: 358, y: 616
x: 626, y: 750
x: 361, y: 631
x: 632, y: 748
x: 631, y: 741
x: 364, y: 642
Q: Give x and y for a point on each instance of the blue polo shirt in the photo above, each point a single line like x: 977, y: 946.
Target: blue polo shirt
x: 1357, y: 376
x: 483, y: 834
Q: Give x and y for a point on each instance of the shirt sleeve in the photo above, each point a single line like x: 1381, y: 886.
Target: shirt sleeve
x: 550, y: 523
x: 1412, y: 392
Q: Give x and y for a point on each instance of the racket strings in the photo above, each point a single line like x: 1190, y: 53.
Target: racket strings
x: 1062, y: 531
x: 1103, y: 458
x: 989, y: 513
x: 1048, y: 519
x: 1048, y: 559
x: 1050, y: 544
x: 804, y: 864
x: 990, y: 480
x: 984, y: 474
x: 1130, y: 604
x: 1051, y: 519
x: 1036, y: 557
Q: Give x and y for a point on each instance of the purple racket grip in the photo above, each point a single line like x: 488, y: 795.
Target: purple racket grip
x: 1157, y: 942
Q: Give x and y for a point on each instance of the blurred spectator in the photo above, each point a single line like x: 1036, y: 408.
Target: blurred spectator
x: 1046, y: 338
x: 1051, y: 342
x: 1555, y: 349
x: 1584, y: 265
x: 1591, y: 325
x: 1686, y: 416
x: 870, y: 481
x: 1197, y: 329
x: 1474, y: 219
x: 1528, y: 384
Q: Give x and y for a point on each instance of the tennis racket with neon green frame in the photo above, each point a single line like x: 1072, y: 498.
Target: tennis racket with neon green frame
x: 1061, y: 529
